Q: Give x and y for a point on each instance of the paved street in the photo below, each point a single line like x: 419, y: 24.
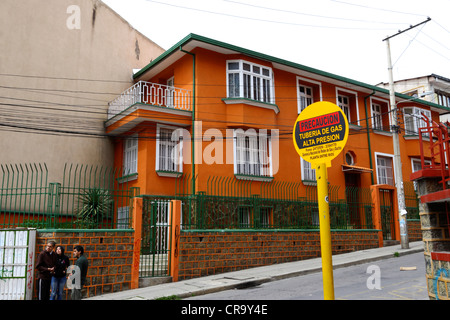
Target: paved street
x: 350, y: 283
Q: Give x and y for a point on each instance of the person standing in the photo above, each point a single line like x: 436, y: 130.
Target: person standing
x: 59, y: 277
x: 82, y: 264
x: 45, y: 266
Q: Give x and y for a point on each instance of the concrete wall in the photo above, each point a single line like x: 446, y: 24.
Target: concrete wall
x: 58, y: 71
x: 435, y: 227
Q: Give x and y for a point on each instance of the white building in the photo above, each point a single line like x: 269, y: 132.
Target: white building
x: 431, y: 88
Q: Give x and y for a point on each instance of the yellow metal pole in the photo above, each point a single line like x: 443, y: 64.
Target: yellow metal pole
x: 325, y: 233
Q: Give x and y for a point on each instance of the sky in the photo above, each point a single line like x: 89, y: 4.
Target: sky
x: 342, y: 37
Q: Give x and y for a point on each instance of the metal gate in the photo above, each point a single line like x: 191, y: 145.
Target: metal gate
x: 17, y: 253
x: 155, y: 246
x: 387, y: 216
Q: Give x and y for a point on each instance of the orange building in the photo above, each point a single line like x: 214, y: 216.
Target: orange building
x: 209, y: 117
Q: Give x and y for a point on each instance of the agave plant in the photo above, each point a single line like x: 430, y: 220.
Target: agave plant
x: 96, y: 203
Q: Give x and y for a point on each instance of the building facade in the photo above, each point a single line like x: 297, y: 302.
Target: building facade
x: 207, y: 117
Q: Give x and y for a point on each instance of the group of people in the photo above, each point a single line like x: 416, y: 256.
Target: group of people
x: 53, y: 265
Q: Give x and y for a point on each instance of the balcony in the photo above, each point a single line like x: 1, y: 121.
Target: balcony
x: 152, y: 94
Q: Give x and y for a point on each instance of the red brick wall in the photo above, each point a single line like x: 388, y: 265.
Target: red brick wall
x: 110, y: 256
x: 207, y: 253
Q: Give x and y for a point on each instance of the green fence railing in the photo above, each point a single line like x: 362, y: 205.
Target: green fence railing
x: 86, y: 197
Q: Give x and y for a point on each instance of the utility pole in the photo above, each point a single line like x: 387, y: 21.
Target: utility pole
x: 404, y: 241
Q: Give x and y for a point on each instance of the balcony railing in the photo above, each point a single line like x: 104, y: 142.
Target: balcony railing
x: 154, y: 94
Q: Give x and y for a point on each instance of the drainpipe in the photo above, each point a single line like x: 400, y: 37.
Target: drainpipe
x: 193, y: 120
x: 368, y: 134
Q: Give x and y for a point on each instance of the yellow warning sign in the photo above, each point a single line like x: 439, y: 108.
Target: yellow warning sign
x: 320, y: 132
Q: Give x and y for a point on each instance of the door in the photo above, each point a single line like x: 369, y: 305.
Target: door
x: 387, y: 216
x: 17, y: 254
x: 352, y: 194
x: 155, y: 246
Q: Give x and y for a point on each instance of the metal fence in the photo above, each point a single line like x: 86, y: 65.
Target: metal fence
x: 204, y: 211
x: 88, y: 197
x: 228, y: 203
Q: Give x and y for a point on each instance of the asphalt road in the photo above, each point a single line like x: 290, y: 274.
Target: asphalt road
x: 379, y: 280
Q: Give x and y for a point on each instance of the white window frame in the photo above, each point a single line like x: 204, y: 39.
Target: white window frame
x: 374, y: 113
x: 341, y: 92
x: 130, y: 155
x: 252, y: 158
x: 250, y: 83
x: 307, y: 83
x: 418, y: 161
x: 384, y: 179
x: 175, y: 146
x: 413, y: 121
x: 377, y: 120
x: 308, y: 174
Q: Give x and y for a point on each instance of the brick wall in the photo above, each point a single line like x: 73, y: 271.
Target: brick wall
x: 414, y: 230
x: 109, y: 252
x: 207, y: 253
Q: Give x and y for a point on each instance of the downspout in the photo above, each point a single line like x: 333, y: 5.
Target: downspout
x: 193, y: 119
x: 368, y: 135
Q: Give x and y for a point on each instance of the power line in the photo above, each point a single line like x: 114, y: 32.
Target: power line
x: 264, y: 20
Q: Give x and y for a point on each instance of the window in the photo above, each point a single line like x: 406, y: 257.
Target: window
x: 347, y: 100
x: 168, y: 150
x: 344, y: 104
x: 123, y: 218
x: 385, y: 173
x: 414, y: 120
x: 349, y: 159
x: 244, y: 217
x: 443, y: 99
x: 376, y: 117
x: 416, y: 164
x: 250, y: 81
x: 130, y: 155
x: 252, y: 152
x: 308, y: 174
x: 305, y: 97
x: 264, y: 217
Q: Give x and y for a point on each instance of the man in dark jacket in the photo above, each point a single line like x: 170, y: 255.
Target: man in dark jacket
x: 82, y: 266
x: 46, y: 266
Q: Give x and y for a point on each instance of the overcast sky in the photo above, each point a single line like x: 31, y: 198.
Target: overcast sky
x: 342, y: 37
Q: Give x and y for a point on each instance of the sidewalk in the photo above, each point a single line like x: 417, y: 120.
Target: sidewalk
x: 257, y: 275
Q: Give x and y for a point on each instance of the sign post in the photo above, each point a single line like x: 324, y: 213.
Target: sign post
x: 320, y: 134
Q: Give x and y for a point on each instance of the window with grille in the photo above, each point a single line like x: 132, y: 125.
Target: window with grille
x: 252, y: 153
x: 169, y: 150
x: 250, y: 81
x: 244, y: 217
x: 123, y: 218
x: 130, y: 155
